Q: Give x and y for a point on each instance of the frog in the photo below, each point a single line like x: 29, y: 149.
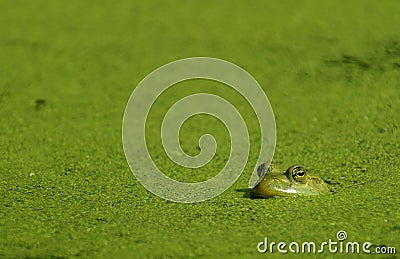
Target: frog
x: 295, y: 181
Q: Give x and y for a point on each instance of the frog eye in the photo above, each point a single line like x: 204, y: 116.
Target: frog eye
x: 299, y: 174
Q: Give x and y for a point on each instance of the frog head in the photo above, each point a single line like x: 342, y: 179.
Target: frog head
x: 294, y: 181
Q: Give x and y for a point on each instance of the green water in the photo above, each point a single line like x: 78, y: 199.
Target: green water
x: 332, y: 75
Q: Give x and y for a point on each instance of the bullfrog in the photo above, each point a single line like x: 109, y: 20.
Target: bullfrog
x: 294, y: 182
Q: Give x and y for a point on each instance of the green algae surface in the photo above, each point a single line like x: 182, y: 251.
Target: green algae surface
x: 331, y: 71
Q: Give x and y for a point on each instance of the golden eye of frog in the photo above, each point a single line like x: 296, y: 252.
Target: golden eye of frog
x: 294, y: 182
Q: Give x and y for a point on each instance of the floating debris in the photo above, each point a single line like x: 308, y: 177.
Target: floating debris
x: 351, y: 60
x: 39, y: 103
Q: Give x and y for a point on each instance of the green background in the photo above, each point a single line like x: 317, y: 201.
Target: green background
x: 331, y: 71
